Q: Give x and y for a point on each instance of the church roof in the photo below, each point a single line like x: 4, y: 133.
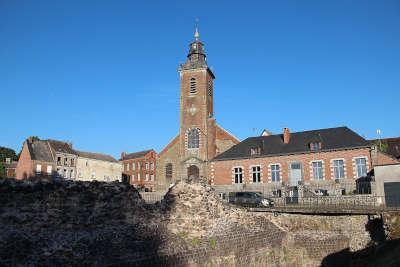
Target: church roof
x: 299, y: 142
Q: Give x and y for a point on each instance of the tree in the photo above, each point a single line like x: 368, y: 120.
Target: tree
x: 382, y: 147
x: 6, y: 152
x: 2, y: 170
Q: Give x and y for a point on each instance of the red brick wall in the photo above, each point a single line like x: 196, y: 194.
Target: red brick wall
x: 221, y: 171
x: 24, y: 165
x: 149, y: 158
x: 385, y: 159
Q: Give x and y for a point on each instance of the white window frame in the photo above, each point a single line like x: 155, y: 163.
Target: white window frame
x: 39, y: 168
x: 256, y: 174
x: 315, y: 175
x: 152, y: 177
x: 49, y: 169
x: 275, y: 172
x: 147, y: 176
x: 147, y: 165
x: 133, y: 166
x: 356, y: 166
x: 138, y: 176
x: 336, y: 175
x: 238, y: 176
x: 127, y: 167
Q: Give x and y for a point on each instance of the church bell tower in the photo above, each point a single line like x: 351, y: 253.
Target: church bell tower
x: 197, y: 123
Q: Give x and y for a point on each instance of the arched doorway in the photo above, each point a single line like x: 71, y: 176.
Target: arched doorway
x: 193, y: 172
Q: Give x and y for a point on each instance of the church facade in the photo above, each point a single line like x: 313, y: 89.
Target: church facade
x: 200, y: 138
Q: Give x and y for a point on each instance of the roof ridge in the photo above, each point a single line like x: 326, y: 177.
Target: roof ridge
x: 307, y: 131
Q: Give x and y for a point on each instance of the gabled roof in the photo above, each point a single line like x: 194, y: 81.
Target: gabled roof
x: 97, y: 156
x: 273, y: 145
x: 40, y: 150
x: 136, y: 154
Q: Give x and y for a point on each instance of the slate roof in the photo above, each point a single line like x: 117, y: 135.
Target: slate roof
x: 393, y: 144
x: 136, y: 154
x: 331, y: 139
x: 97, y: 156
x: 59, y: 146
x: 40, y: 150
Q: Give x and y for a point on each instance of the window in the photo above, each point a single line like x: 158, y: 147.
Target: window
x: 127, y: 167
x: 147, y: 165
x: 147, y: 176
x: 133, y: 166
x: 338, y: 168
x: 315, y: 146
x: 193, y: 138
x: 72, y: 162
x: 59, y: 160
x: 361, y: 166
x: 168, y: 171
x: 38, y: 168
x: 65, y: 161
x: 151, y: 166
x: 49, y: 169
x: 133, y: 177
x: 238, y: 175
x: 192, y: 86
x: 255, y: 151
x: 152, y: 177
x: 138, y: 176
x: 138, y: 165
x: 71, y: 175
x: 275, y: 172
x: 318, y: 173
x: 256, y: 174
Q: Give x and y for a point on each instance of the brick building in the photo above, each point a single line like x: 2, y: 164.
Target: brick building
x: 385, y: 151
x: 10, y: 166
x: 139, y: 168
x: 200, y: 138
x: 327, y: 159
x: 52, y: 158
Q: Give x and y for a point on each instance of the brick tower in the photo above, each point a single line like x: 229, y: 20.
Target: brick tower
x: 200, y: 138
x: 197, y: 124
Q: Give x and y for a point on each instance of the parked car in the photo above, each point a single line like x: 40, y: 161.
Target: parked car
x: 253, y: 199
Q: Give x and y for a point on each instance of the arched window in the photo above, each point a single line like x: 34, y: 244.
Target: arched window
x: 192, y: 86
x: 193, y: 138
x: 168, y: 171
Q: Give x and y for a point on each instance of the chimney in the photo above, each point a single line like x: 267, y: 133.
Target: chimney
x: 286, y: 135
x: 123, y: 155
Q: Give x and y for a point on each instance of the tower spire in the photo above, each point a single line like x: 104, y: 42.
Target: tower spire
x: 196, y: 33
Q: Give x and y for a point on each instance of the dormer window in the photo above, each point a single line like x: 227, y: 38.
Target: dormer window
x: 255, y: 151
x: 315, y: 146
x: 192, y: 86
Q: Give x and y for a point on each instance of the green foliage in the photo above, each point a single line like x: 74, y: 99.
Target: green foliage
x: 382, y: 147
x: 6, y: 152
x: 195, y: 242
x: 213, y: 243
x: 2, y: 170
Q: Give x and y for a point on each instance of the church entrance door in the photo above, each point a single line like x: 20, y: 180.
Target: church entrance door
x: 193, y: 172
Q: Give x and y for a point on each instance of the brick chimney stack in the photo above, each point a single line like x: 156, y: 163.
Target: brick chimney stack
x: 286, y: 135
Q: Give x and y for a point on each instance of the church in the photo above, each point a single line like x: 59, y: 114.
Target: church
x: 200, y: 138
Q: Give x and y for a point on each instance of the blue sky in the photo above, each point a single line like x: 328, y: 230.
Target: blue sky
x: 103, y: 74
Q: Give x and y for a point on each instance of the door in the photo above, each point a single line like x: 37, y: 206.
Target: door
x: 193, y: 172
x: 295, y: 173
x: 392, y: 194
